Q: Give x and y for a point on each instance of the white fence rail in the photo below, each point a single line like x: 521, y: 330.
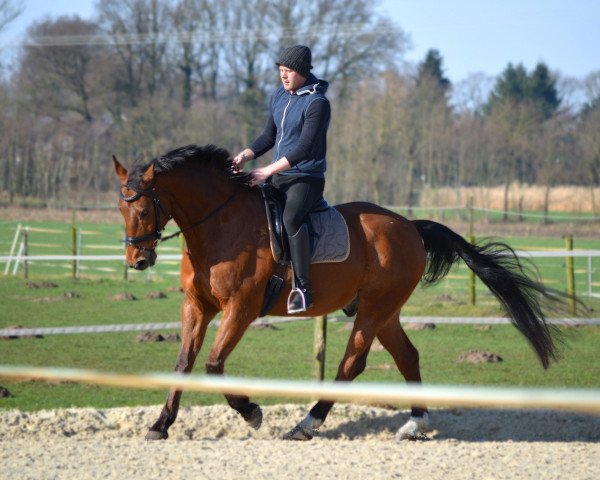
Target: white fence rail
x: 20, y: 259
x: 140, y: 327
x: 70, y: 258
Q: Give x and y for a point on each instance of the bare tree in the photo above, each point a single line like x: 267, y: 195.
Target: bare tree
x: 369, y: 142
x: 139, y: 34
x: 552, y: 145
x: 471, y: 93
x: 249, y: 64
x: 60, y: 77
x: 199, y: 56
x: 8, y: 12
x: 589, y: 141
x: 511, y: 128
x: 349, y: 39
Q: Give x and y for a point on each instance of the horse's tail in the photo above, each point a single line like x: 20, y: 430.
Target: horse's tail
x: 498, y: 267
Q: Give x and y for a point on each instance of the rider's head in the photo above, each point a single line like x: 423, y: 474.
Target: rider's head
x: 294, y: 66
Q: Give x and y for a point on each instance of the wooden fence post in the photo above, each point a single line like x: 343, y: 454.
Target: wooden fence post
x: 319, y: 347
x: 74, y: 249
x: 25, y: 251
x: 570, y: 275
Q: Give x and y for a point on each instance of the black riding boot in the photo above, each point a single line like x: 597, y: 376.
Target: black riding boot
x: 300, y: 298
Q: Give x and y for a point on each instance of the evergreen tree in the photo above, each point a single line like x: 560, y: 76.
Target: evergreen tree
x: 542, y: 90
x: 510, y: 86
x: 430, y: 71
x: 519, y: 87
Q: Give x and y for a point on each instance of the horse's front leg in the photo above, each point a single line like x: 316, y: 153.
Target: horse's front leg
x: 195, y: 319
x: 232, y: 328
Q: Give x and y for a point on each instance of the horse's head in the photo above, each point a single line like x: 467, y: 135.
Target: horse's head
x: 143, y: 214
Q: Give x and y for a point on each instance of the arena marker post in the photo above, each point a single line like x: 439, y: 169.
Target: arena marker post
x: 319, y: 347
x: 25, y: 241
x: 74, y: 249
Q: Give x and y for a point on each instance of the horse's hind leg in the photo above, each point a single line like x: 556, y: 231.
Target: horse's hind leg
x: 194, y: 324
x: 405, y: 355
x: 352, y: 365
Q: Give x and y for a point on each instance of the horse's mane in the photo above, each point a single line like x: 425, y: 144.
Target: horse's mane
x: 190, y: 155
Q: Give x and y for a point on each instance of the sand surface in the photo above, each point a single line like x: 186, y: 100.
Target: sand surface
x: 355, y: 442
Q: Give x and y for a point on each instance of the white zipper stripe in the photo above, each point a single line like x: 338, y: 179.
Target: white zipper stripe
x: 282, y: 122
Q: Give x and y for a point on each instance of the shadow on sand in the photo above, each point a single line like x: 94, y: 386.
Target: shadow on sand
x: 481, y: 425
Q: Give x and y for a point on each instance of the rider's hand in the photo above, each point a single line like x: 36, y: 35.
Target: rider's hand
x: 241, y: 158
x: 259, y: 175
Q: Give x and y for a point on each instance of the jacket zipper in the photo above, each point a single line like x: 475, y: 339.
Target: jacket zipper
x: 282, y: 122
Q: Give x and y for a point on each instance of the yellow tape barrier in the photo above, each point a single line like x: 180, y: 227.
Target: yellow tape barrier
x: 580, y: 400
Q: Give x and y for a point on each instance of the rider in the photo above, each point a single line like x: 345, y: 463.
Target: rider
x: 297, y: 127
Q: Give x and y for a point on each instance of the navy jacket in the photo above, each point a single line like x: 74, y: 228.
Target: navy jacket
x: 297, y: 129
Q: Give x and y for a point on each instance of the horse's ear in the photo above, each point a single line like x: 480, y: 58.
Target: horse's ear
x: 148, y: 175
x: 120, y: 169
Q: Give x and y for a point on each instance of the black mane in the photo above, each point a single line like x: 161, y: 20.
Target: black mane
x: 211, y: 155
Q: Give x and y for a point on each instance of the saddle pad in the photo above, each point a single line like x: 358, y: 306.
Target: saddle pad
x: 332, y: 241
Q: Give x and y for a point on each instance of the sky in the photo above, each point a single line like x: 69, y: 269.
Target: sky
x: 473, y: 36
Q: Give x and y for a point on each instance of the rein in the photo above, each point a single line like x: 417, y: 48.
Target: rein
x: 156, y: 235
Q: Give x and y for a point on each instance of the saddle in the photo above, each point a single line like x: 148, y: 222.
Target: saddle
x: 330, y: 241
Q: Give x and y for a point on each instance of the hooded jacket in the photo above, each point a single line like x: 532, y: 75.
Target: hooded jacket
x: 296, y: 128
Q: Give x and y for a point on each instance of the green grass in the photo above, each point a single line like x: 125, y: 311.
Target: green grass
x: 285, y: 352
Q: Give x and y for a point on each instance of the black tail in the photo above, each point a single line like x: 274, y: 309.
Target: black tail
x: 498, y: 267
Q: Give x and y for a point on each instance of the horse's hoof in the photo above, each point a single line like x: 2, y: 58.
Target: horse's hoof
x: 156, y: 435
x: 412, y: 436
x: 255, y: 418
x: 300, y: 433
x: 414, y: 429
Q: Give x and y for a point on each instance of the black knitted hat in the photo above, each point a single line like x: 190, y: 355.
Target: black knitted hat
x: 297, y: 58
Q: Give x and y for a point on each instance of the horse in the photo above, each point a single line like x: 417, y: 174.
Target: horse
x: 228, y: 262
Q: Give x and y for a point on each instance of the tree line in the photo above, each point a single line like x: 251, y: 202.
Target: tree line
x: 146, y: 76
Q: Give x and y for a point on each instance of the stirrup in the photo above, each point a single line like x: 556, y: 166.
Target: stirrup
x: 293, y: 307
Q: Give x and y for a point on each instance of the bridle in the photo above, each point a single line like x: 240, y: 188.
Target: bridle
x: 156, y: 235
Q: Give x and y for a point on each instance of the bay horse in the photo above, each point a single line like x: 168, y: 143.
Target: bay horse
x: 228, y: 263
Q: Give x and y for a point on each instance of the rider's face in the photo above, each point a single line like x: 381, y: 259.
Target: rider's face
x: 291, y: 79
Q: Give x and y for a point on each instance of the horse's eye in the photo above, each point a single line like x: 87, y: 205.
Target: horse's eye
x: 144, y: 213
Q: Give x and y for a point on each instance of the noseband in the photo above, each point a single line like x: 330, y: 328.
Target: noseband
x: 156, y: 235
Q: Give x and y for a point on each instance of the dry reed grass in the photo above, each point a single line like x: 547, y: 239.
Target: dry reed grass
x: 520, y: 197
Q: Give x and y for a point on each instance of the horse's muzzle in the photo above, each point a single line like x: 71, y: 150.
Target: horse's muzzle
x: 145, y: 261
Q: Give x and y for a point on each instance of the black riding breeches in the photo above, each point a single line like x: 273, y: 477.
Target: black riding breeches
x: 301, y: 195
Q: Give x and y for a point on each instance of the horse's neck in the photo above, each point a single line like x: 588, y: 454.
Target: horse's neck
x: 223, y: 208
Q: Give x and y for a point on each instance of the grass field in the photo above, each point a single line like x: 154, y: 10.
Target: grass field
x: 283, y: 352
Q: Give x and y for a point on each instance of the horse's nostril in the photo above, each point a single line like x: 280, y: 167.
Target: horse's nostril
x: 141, y: 264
